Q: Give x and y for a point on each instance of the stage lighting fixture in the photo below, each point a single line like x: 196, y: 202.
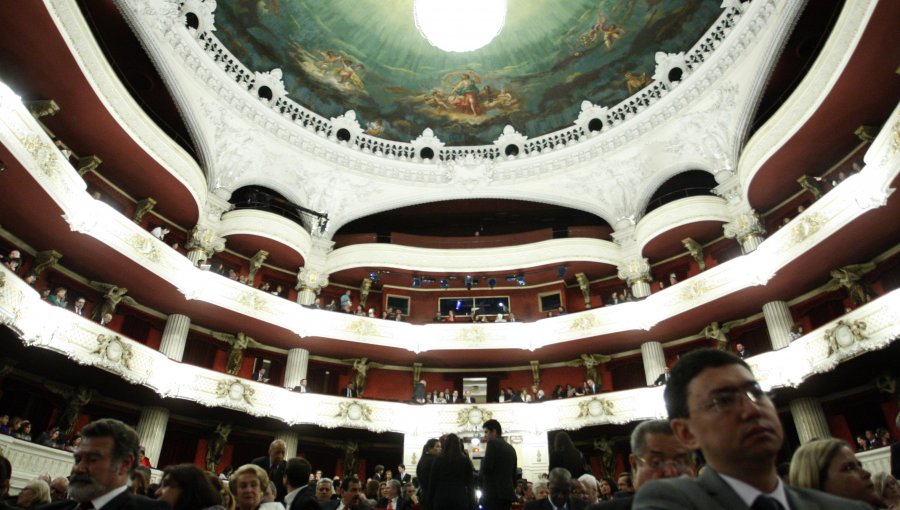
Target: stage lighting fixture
x: 469, y: 282
x: 416, y: 282
x: 445, y: 283
x: 492, y: 282
x: 373, y: 275
x: 561, y: 271
x: 520, y: 280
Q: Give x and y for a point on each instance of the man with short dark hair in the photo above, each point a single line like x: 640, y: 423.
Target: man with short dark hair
x: 625, y: 485
x: 300, y: 496
x: 104, y: 460
x: 274, y: 464
x: 498, y: 469
x: 402, y: 475
x: 352, y: 497
x: 716, y: 406
x: 560, y: 485
x: 379, y: 473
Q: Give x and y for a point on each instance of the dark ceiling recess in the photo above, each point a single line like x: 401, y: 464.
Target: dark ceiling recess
x: 466, y: 217
x: 134, y: 68
x: 801, y: 50
x: 686, y: 184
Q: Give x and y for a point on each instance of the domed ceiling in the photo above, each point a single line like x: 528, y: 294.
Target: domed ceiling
x: 369, y: 56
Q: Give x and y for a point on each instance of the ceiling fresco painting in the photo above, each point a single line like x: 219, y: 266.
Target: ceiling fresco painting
x: 369, y: 56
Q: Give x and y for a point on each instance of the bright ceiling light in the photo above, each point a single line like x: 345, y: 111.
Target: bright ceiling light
x: 460, y: 25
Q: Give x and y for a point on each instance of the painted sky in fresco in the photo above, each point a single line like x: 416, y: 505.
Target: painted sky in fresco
x: 368, y: 56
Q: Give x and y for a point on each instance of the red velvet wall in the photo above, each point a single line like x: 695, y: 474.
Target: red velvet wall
x: 839, y: 428
x: 154, y: 338
x: 389, y: 384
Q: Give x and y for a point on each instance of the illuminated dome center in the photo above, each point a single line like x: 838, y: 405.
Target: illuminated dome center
x: 460, y: 25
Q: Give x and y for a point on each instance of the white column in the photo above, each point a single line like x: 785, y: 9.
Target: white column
x: 778, y: 321
x: 175, y: 335
x: 291, y: 439
x: 809, y: 418
x: 750, y: 243
x: 640, y: 289
x: 306, y: 296
x: 151, y: 429
x: 197, y: 255
x: 297, y: 365
x: 654, y: 360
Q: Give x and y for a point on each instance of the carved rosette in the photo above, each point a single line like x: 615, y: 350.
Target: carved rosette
x: 43, y: 153
x: 144, y: 245
x: 355, y: 411
x: 805, y: 227
x: 114, y: 351
x: 472, y: 335
x: 235, y: 391
x: 254, y: 301
x: 694, y: 291
x: 844, y: 335
x: 671, y: 68
x: 203, y: 11
x: 427, y: 140
x: 595, y: 407
x: 472, y: 417
x: 269, y: 87
x: 634, y: 271
x: 584, y: 322
x: 349, y: 122
x: 362, y: 327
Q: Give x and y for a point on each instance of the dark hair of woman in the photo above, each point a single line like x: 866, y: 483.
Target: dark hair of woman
x: 452, y: 447
x: 428, y: 445
x: 562, y: 442
x: 196, y: 489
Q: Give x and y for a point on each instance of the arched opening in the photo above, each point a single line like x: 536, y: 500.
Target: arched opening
x: 686, y: 184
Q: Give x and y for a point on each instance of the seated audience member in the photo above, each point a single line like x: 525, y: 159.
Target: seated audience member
x: 31, y: 279
x: 392, y: 497
x: 887, y: 488
x: 279, y: 291
x: 4, y: 425
x: 607, y: 490
x: 796, y: 331
x: 625, y: 485
x: 159, y: 232
x: 828, y: 465
x: 411, y: 493
x: 883, y: 437
x: 716, y: 406
x: 78, y: 307
x: 59, y: 488
x: 106, y: 319
x: 560, y: 493
x: 248, y: 483
x: 591, y: 487
x: 741, y: 351
x: 351, y: 497
x: 23, y: 432
x: 861, y: 443
x: 541, y: 490
x: 655, y: 454
x: 451, y: 316
x: 500, y: 318
x: 663, y: 377
x: 58, y: 297
x: 511, y: 317
x: 187, y: 487
x: 324, y: 490
x: 34, y: 494
x: 871, y: 439
x: 140, y: 480
x: 45, y: 294
x: 437, y: 317
x: 50, y: 438
x: 142, y: 458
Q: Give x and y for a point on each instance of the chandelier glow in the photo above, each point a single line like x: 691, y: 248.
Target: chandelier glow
x: 460, y: 25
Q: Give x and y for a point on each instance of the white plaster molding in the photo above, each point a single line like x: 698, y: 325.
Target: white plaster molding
x: 269, y: 225
x: 119, y: 102
x: 811, y: 92
x: 680, y: 212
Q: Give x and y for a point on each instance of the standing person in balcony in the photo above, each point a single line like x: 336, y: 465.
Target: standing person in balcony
x: 346, y: 302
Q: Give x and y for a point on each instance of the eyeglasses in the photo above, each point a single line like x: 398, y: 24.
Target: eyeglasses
x: 681, y: 464
x: 727, y: 400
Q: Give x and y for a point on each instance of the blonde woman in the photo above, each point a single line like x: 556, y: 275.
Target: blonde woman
x: 829, y: 465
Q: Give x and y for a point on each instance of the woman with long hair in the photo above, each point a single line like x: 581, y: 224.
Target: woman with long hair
x: 187, y: 487
x: 829, y: 465
x: 565, y: 455
x: 451, y: 485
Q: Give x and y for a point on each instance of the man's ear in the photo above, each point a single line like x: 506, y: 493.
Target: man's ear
x: 633, y: 461
x: 681, y: 428
x: 126, y: 465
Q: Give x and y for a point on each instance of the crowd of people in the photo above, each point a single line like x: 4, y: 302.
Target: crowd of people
x: 717, y: 450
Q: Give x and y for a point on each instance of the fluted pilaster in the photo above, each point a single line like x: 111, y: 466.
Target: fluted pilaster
x: 297, y: 365
x: 151, y: 429
x: 175, y: 335
x: 291, y: 439
x: 640, y: 289
x: 306, y: 296
x: 778, y: 321
x: 809, y: 418
x: 654, y: 360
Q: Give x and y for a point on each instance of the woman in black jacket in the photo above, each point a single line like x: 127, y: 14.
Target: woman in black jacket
x: 451, y: 485
x: 565, y: 455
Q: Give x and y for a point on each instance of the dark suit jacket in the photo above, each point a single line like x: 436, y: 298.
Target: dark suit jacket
x: 348, y: 392
x: 124, y: 501
x: 276, y: 474
x: 498, y: 471
x: 614, y: 504
x: 544, y: 504
x: 660, y: 380
x: 573, y: 460
x: 402, y: 504
x: 711, y: 492
x: 406, y: 478
x: 305, y: 500
x: 334, y: 503
x: 423, y: 471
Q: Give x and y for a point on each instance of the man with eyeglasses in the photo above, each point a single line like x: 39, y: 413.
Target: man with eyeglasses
x: 655, y: 454
x: 716, y: 406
